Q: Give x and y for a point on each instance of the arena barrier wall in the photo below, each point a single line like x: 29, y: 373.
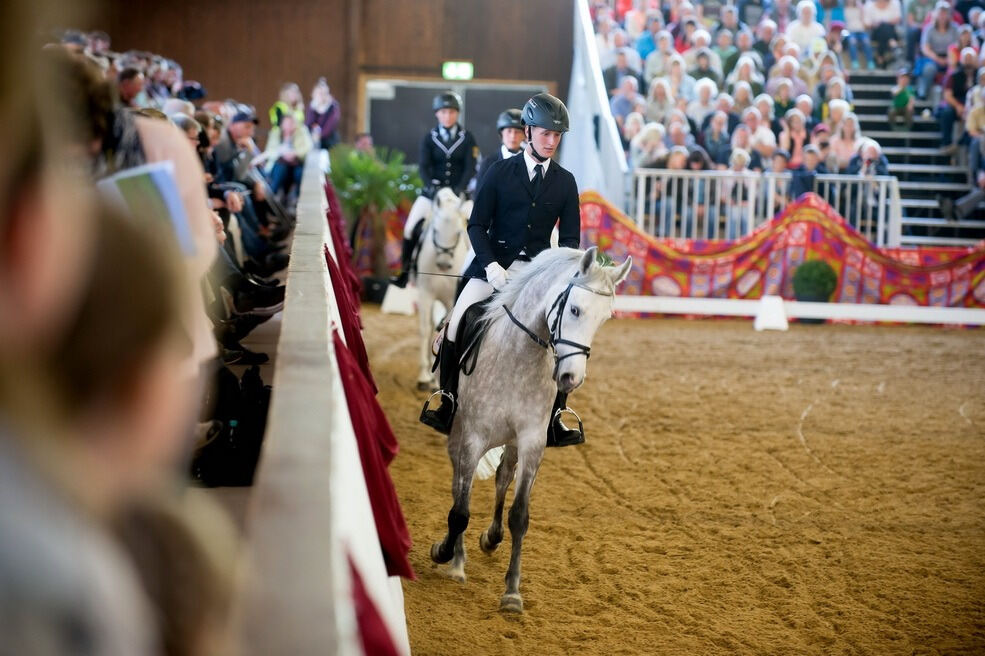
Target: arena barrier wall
x: 310, y: 511
x: 678, y: 273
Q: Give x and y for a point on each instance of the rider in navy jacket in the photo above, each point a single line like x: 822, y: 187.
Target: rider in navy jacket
x: 448, y: 156
x: 510, y: 128
x: 516, y: 208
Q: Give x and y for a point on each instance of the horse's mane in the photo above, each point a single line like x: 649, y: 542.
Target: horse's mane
x: 552, y: 259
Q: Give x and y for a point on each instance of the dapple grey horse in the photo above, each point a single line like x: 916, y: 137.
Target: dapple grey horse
x: 539, y: 330
x: 444, y: 244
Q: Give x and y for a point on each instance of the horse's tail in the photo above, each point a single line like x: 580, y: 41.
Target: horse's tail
x: 489, y: 463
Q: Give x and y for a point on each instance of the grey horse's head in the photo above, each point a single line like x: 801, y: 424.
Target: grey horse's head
x: 448, y: 226
x: 588, y: 305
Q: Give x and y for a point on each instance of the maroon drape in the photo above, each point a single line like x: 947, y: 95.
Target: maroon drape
x: 343, y: 249
x: 373, y: 632
x: 377, y: 448
x: 349, y: 317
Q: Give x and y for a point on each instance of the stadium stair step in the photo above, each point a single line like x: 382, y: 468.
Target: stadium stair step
x: 929, y: 240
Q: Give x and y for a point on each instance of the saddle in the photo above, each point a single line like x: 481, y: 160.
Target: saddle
x: 471, y: 331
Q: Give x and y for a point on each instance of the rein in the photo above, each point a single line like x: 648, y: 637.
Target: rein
x: 555, y: 330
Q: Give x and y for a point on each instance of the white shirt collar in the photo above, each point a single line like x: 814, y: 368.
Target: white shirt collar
x: 531, y: 163
x: 506, y: 152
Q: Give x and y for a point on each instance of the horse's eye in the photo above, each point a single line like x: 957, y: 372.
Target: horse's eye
x: 575, y: 311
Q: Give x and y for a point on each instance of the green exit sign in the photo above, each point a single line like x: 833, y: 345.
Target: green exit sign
x: 456, y: 70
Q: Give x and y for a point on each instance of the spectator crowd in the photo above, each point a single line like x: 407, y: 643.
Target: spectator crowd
x: 765, y: 85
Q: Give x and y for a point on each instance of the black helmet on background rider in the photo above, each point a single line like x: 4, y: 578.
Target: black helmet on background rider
x: 447, y: 100
x: 509, y: 119
x: 545, y: 111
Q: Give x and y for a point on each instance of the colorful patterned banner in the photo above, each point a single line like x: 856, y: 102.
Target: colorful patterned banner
x: 763, y: 262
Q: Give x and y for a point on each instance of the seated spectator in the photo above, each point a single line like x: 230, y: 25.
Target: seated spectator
x: 683, y: 37
x: 783, y: 99
x: 737, y: 194
x: 901, y: 106
x: 634, y: 20
x: 658, y: 61
x: 701, y: 45
x: 858, y: 34
x: 821, y: 139
x: 745, y: 71
x: 703, y: 70
x: 631, y: 127
x: 934, y: 41
x: 752, y: 11
x: 974, y: 126
x: 810, y: 68
x: 661, y: 101
x: 621, y: 43
x: 837, y: 111
x: 130, y: 87
x: 966, y: 39
x: 766, y: 32
x: 882, y: 17
x: 323, y: 115
x: 289, y: 101
x: 966, y: 205
x: 789, y: 68
x: 287, y: 145
x: 604, y: 28
x: 761, y: 137
x: 835, y: 37
x: 678, y: 133
x: 729, y: 20
x: 794, y: 137
x: 364, y: 143
x: 783, y: 15
x: 725, y: 47
x: 742, y: 140
x: 918, y: 14
x: 743, y: 48
x: 703, y: 105
x: 833, y: 91
x: 780, y: 163
x: 647, y: 43
x: 614, y: 75
x: 681, y: 84
x: 955, y: 90
x: 806, y: 28
x: 868, y: 160
x: 717, y: 141
x: 804, y: 178
x: 648, y: 149
x: 778, y: 47
x: 845, y: 143
x: 767, y: 111
x: 805, y: 104
x: 743, y: 96
x: 626, y: 100
x: 724, y: 103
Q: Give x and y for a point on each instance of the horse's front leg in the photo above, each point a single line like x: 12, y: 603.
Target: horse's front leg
x: 492, y: 536
x: 425, y: 320
x: 531, y: 446
x: 464, y: 458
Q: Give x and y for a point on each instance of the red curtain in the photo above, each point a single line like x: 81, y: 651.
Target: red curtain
x: 377, y: 448
x: 349, y: 317
x: 373, y: 632
x: 343, y: 249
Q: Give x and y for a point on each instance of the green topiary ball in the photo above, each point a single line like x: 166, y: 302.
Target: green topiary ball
x: 814, y: 280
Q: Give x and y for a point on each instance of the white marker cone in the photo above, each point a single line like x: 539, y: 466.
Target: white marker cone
x: 770, y: 315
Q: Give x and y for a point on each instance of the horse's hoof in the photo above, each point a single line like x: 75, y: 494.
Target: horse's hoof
x: 456, y: 574
x: 439, y: 557
x: 424, y: 386
x: 485, y: 544
x: 511, y: 603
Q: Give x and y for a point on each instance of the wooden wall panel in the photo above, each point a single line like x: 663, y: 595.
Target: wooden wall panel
x: 247, y: 48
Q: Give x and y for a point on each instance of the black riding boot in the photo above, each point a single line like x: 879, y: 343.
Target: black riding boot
x: 442, y: 418
x: 406, y: 255
x: 557, y: 433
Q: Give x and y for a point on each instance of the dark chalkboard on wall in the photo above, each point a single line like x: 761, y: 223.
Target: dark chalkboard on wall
x: 399, y: 112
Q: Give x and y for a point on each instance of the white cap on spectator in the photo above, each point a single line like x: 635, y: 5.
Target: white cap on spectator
x: 724, y: 97
x: 804, y: 98
x: 965, y: 52
x: 751, y: 111
x: 739, y: 155
x: 701, y: 34
x: 806, y: 4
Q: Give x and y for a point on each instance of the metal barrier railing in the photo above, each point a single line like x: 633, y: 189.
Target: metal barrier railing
x: 728, y: 205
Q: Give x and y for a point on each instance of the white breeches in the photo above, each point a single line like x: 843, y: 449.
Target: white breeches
x: 475, y: 291
x: 418, y: 211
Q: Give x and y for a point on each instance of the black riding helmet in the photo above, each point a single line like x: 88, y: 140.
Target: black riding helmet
x: 545, y: 111
x: 509, y: 119
x: 447, y: 100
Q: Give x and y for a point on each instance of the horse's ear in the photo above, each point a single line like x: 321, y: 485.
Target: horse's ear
x: 617, y: 275
x: 587, y: 260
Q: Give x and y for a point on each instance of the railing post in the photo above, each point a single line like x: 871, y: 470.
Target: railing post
x: 881, y: 217
x: 640, y: 198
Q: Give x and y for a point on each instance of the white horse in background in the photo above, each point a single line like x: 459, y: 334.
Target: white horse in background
x: 440, y: 259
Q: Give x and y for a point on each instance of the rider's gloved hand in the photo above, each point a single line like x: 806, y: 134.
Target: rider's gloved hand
x: 496, y: 276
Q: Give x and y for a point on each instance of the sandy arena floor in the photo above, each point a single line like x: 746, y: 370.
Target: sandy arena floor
x: 820, y: 491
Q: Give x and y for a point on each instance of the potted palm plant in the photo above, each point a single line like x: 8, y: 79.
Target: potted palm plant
x: 369, y: 184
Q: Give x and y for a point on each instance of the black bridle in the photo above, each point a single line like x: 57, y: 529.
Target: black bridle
x: 554, y: 336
